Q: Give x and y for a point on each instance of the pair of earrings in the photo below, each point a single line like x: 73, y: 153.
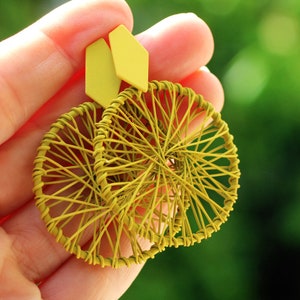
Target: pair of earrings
x: 121, y: 178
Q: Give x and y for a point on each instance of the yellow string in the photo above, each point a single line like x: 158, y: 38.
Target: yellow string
x: 70, y: 199
x: 170, y: 174
x: 118, y: 186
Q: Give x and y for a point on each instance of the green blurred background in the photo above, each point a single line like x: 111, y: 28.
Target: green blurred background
x: 257, y: 58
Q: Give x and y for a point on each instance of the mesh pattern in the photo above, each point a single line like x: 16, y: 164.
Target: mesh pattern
x: 153, y: 170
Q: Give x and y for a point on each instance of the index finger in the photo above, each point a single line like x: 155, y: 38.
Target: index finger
x: 52, y: 50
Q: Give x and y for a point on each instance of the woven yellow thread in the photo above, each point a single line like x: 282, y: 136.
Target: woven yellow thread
x: 70, y: 200
x: 153, y: 170
x: 175, y: 186
x: 150, y: 169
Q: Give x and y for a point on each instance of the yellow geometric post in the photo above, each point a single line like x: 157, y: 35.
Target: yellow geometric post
x: 130, y: 58
x: 102, y: 84
x: 127, y: 60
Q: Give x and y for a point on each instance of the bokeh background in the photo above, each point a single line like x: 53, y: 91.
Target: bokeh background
x: 256, y: 255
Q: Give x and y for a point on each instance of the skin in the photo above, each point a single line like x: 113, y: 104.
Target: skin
x: 41, y: 77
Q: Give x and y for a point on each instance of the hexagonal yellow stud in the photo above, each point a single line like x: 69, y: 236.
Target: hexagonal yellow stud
x: 102, y: 84
x: 130, y: 58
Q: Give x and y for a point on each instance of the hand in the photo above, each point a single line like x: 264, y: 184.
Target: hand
x: 41, y: 77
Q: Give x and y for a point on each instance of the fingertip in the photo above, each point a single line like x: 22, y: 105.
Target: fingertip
x: 208, y: 85
x: 205, y: 36
x: 77, y: 23
x: 178, y: 45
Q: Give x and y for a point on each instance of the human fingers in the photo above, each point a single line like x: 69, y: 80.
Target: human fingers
x: 208, y: 85
x: 112, y: 283
x: 33, y: 239
x: 36, y: 250
x: 177, y: 48
x: 48, y: 53
x: 76, y: 279
x: 113, y: 288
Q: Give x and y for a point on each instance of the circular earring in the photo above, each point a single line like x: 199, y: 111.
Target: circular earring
x: 174, y: 160
x: 118, y: 180
x: 70, y: 199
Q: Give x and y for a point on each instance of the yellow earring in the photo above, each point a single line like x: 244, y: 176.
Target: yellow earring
x: 119, y: 179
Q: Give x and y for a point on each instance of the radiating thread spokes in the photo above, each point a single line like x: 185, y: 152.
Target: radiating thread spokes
x: 70, y: 199
x: 193, y: 164
x: 153, y: 170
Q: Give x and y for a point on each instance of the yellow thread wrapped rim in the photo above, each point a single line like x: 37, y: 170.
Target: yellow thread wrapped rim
x: 70, y: 199
x: 154, y: 169
x: 166, y: 164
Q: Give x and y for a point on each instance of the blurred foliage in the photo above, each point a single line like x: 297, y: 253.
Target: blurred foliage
x: 257, y: 58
